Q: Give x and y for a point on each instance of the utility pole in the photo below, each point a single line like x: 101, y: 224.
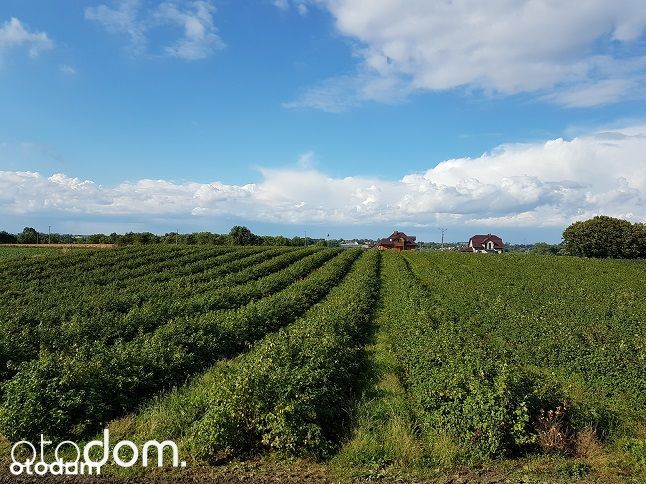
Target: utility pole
x: 443, y: 230
x: 306, y: 238
x: 177, y: 237
x: 49, y: 234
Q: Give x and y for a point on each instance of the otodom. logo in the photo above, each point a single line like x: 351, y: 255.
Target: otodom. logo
x: 82, y: 462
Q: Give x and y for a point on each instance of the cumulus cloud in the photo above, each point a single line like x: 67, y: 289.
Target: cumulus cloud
x: 547, y: 184
x: 579, y: 54
x: 13, y: 34
x: 198, y: 40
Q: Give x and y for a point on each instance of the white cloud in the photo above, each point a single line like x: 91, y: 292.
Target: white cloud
x: 281, y: 4
x: 68, y: 70
x: 306, y: 160
x: 122, y: 20
x: 299, y: 5
x: 200, y: 35
x: 500, y: 46
x: 194, y: 18
x: 13, y: 33
x: 545, y: 184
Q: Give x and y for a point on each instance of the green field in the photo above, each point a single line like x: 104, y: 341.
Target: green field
x: 26, y: 252
x: 341, y: 363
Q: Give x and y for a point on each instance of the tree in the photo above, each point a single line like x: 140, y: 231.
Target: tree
x: 604, y: 236
x: 28, y: 236
x: 241, y: 235
x: 7, y: 238
x: 637, y: 243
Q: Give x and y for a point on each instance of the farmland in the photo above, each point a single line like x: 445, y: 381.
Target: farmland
x: 9, y: 251
x: 371, y: 364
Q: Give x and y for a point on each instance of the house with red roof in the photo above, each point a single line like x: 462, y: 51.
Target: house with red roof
x: 485, y: 243
x: 398, y: 241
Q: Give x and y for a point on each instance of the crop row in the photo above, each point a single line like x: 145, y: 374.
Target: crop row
x: 462, y: 389
x: 54, y: 303
x: 55, y: 267
x: 70, y: 394
x: 20, y: 342
x: 230, y: 292
x: 114, y: 270
x: 581, y: 321
x: 289, y: 393
x: 491, y: 343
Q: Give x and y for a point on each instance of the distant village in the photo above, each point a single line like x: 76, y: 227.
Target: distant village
x: 240, y: 235
x: 399, y: 241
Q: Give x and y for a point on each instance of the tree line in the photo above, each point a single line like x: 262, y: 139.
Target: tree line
x: 238, y: 235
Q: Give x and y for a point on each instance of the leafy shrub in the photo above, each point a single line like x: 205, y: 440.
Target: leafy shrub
x: 290, y: 393
x: 603, y: 236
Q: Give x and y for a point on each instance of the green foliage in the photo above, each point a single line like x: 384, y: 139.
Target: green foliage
x: 544, y: 248
x: 7, y: 238
x: 637, y: 450
x: 501, y: 339
x: 27, y: 236
x: 87, y: 384
x: 604, y: 237
x: 242, y: 236
x: 289, y: 393
x: 473, y: 350
x: 238, y: 235
x: 459, y: 386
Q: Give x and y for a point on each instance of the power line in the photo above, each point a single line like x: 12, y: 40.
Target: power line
x: 443, y: 230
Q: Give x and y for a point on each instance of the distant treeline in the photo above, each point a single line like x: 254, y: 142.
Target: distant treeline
x: 600, y: 237
x: 238, y: 235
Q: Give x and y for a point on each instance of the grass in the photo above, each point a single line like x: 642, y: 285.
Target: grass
x: 384, y: 435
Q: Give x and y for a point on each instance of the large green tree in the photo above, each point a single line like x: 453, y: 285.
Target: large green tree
x: 28, y: 236
x: 241, y: 235
x: 604, y: 236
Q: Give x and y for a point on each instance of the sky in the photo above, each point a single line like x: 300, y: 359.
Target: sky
x: 343, y: 117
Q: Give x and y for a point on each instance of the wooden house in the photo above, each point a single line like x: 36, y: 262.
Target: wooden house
x: 397, y: 241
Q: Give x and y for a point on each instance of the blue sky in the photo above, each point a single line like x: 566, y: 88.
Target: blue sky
x: 332, y: 116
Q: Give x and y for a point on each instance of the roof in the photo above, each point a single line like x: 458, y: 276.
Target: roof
x: 389, y: 241
x: 397, y: 234
x: 481, y: 241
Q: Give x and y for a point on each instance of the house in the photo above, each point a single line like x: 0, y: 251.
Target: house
x: 398, y: 241
x: 485, y: 243
x: 349, y: 245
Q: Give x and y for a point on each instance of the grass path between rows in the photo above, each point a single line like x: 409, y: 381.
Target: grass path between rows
x: 383, y: 438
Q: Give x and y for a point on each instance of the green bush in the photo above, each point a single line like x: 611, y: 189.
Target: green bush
x: 603, y: 237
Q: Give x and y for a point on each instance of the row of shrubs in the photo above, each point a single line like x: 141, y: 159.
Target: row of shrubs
x: 115, y: 267
x: 531, y: 354
x: 20, y: 270
x: 290, y: 393
x: 470, y: 401
x: 105, y: 320
x: 58, y: 302
x: 70, y: 394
